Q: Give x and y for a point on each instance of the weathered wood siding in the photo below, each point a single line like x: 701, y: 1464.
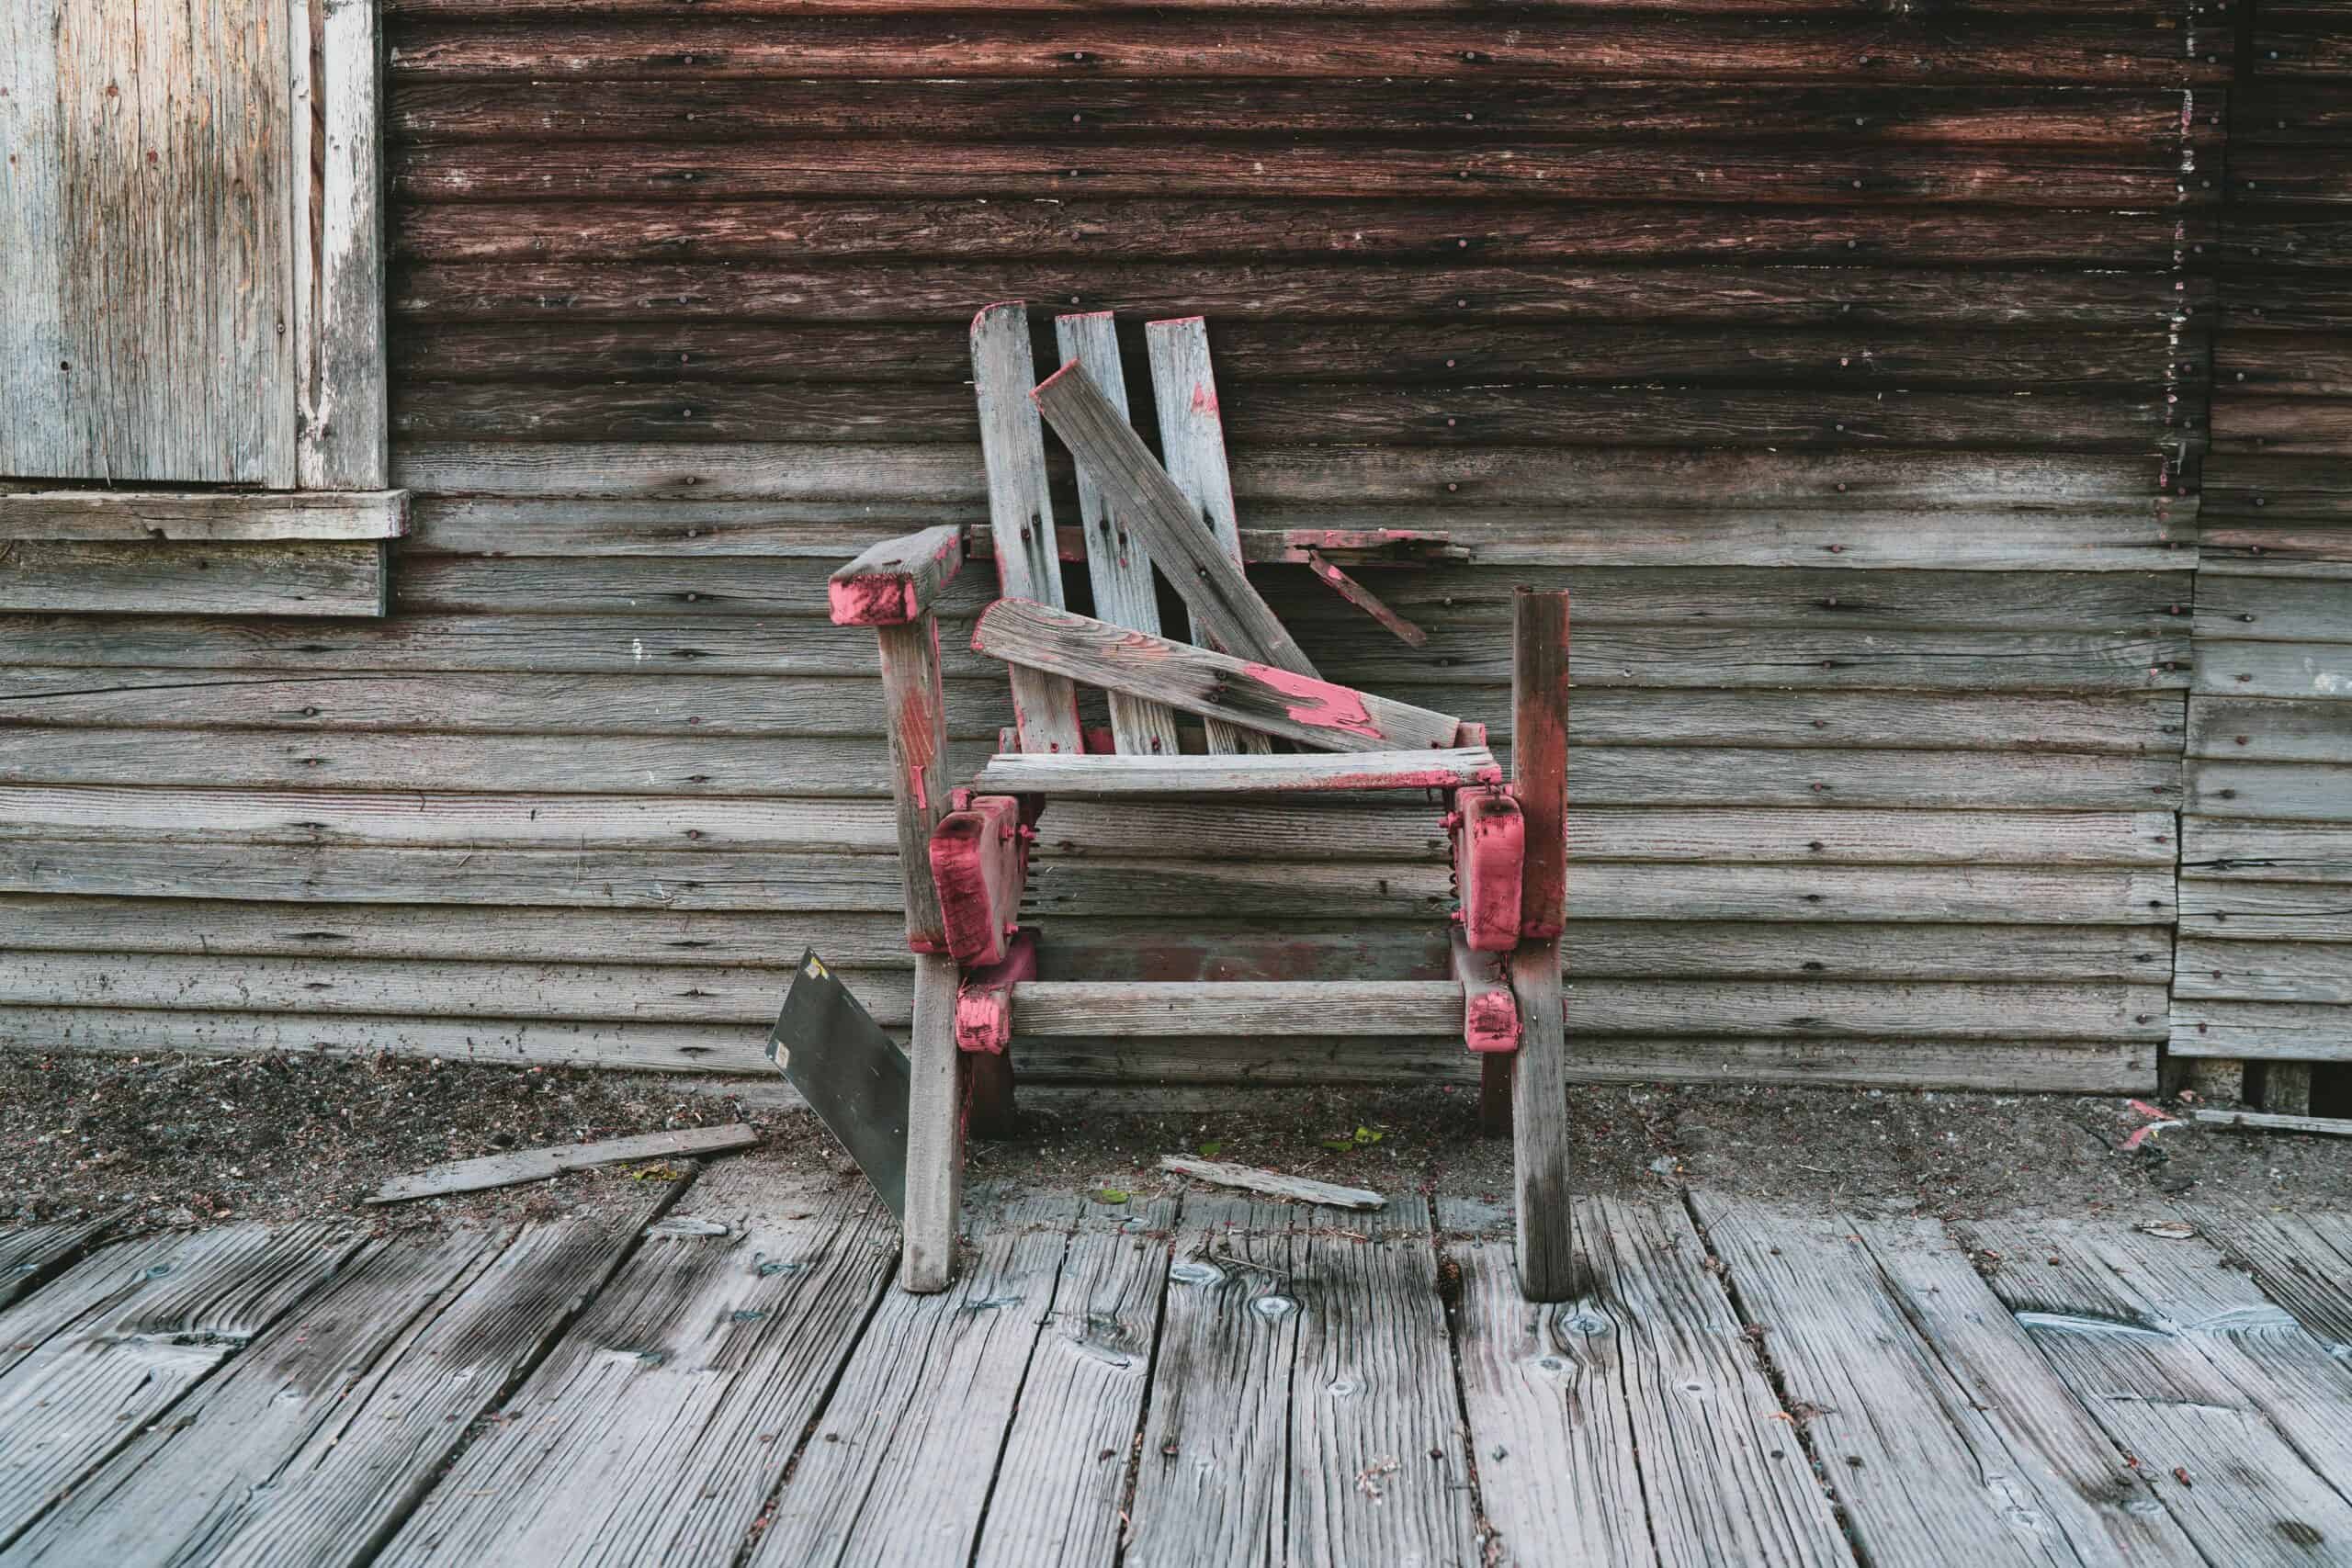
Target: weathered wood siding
x: 146, y: 243
x: 1842, y: 365
x: 2265, y: 958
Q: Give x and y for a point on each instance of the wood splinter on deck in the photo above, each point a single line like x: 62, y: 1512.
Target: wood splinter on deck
x: 533, y: 1164
x: 1297, y: 1189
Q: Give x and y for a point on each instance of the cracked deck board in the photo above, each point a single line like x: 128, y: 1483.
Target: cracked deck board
x: 657, y: 1429
x: 1063, y: 1475
x: 1211, y: 1482
x: 2193, y: 1371
x: 156, y: 1321
x: 903, y: 1458
x: 1913, y: 1464
x: 1632, y: 1423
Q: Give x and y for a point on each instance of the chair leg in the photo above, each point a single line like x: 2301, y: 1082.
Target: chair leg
x: 1494, y: 1094
x: 1539, y: 1122
x: 935, y: 1131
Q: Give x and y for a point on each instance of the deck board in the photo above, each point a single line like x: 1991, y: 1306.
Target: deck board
x: 659, y: 1426
x: 155, y: 1328
x: 901, y: 1468
x: 31, y: 1257
x: 1060, y: 1483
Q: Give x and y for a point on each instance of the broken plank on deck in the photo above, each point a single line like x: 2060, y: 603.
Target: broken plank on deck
x: 538, y: 1165
x: 899, y: 1466
x: 659, y: 1426
x: 1638, y: 1400
x: 88, y: 1387
x: 1913, y: 1460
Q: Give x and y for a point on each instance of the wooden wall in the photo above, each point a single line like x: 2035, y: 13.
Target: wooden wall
x: 2265, y: 957
x: 1851, y: 369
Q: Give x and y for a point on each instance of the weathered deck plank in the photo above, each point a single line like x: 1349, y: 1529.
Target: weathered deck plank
x: 1632, y: 1423
x: 2181, y: 1394
x: 658, y: 1428
x: 1913, y: 1463
x: 899, y: 1468
x: 1063, y: 1471
x: 1378, y: 1467
x: 2302, y: 1261
x: 86, y: 1388
x: 31, y: 1257
x: 1210, y: 1485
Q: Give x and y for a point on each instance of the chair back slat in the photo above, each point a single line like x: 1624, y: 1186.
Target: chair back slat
x: 1118, y: 564
x: 1192, y: 444
x: 1021, y: 512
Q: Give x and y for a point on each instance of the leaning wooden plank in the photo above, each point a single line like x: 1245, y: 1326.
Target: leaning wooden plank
x: 537, y: 1164
x: 1311, y: 711
x: 1118, y: 566
x: 1145, y: 1008
x: 1226, y: 608
x: 895, y: 1474
x: 934, y: 1202
x: 2266, y: 1121
x: 240, y: 577
x: 203, y: 516
x: 1192, y: 439
x: 664, y: 1420
x: 1113, y: 778
x: 1021, y: 512
x: 896, y: 581
x: 1212, y: 1474
x: 1292, y: 1188
x: 1061, y: 1478
x: 1379, y: 1467
x: 89, y: 1384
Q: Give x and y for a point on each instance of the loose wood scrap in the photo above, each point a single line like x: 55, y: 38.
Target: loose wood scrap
x: 535, y: 1165
x: 1295, y: 1189
x: 2266, y: 1121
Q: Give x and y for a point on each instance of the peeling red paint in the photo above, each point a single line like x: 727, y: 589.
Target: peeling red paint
x: 1490, y: 852
x: 1204, y: 398
x: 980, y: 860
x: 884, y: 601
x: 984, y: 999
x: 1491, y: 1022
x: 1318, y: 702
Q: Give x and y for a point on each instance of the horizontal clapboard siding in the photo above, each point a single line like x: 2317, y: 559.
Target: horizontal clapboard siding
x: 2265, y: 959
x: 1849, y: 372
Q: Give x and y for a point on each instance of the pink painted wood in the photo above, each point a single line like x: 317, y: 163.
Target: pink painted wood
x: 896, y: 581
x: 1489, y: 835
x: 984, y: 998
x: 979, y: 860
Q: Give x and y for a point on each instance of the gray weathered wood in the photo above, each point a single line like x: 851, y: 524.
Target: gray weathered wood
x: 2252, y: 851
x: 2258, y: 971
x: 1632, y: 1422
x: 2191, y: 1369
x: 2317, y: 669
x: 1198, y: 680
x: 2271, y: 729
x: 1226, y: 609
x: 238, y: 578
x: 2288, y: 1032
x: 2267, y: 1121
x: 30, y: 1255
x: 537, y: 1164
x: 659, y: 1426
x: 911, y: 569
x: 127, y: 1359
x: 1273, y: 1184
x: 1021, y: 511
x: 202, y: 516
x: 1213, y: 1469
x: 1118, y: 566
x: 889, y: 1475
x: 934, y: 1129
x: 340, y: 253
x: 1192, y: 444
x: 1379, y: 1462
x: 149, y: 240
x: 1540, y: 1131
x: 1114, y: 778
x: 2269, y: 791
x: 1237, y: 1006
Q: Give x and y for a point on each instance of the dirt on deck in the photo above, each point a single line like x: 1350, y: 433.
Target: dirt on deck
x: 173, y: 1141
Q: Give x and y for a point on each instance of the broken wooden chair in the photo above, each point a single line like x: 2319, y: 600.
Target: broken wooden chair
x: 965, y: 850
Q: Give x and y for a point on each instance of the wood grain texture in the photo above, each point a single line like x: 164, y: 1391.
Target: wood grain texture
x: 539, y: 1165
x: 240, y: 577
x: 936, y: 1128
x: 1020, y: 514
x: 1345, y: 771
x: 1247, y: 692
x: 1118, y: 565
x: 661, y: 1422
x: 340, y: 264
x: 202, y: 516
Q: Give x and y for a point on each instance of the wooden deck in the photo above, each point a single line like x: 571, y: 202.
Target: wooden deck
x: 725, y: 1374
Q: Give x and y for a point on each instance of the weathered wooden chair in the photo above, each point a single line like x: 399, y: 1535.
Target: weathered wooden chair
x: 965, y: 850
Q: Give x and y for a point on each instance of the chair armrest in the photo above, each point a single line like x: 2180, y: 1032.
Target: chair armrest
x: 898, y: 581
